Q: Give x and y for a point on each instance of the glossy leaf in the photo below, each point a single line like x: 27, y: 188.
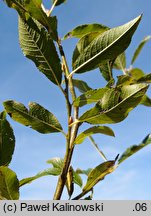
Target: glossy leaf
x: 125, y: 80
x: 17, y: 5
x: 112, y: 109
x: 51, y: 171
x: 81, y: 85
x: 7, y: 141
x: 83, y: 30
x: 58, y: 164
x: 37, y: 117
x: 77, y: 179
x: 135, y: 148
x: 91, y: 96
x: 85, y: 172
x: 83, y: 43
x: 36, y: 10
x: 136, y: 73
x: 106, y: 70
x: 146, y: 78
x: 9, y: 184
x: 94, y: 130
x: 139, y: 48
x: 37, y: 45
x: 105, y: 47
x: 146, y: 101
x: 58, y: 2
x: 98, y: 173
x: 120, y: 62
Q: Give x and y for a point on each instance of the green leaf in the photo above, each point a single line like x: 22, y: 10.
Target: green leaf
x: 135, y: 148
x: 37, y: 117
x: 56, y: 170
x: 17, y: 5
x: 34, y: 8
x: 106, y: 70
x: 83, y: 30
x: 98, y: 173
x: 136, y: 73
x: 56, y: 162
x: 139, y: 48
x: 91, y: 96
x: 85, y: 41
x: 51, y: 171
x: 112, y: 109
x: 9, y: 184
x: 85, y: 172
x: 59, y: 2
x: 93, y: 130
x: 146, y: 101
x: 105, y: 47
x: 37, y: 45
x: 7, y: 141
x: 120, y: 62
x: 134, y: 76
x: 145, y: 79
x: 125, y: 80
x: 81, y: 85
x: 77, y: 179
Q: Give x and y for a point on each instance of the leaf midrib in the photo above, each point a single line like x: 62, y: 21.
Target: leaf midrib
x: 46, y: 123
x: 107, y: 111
x: 110, y: 45
x: 42, y: 54
x: 6, y: 186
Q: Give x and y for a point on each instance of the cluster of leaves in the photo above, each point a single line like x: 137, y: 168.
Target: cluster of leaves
x: 98, y: 47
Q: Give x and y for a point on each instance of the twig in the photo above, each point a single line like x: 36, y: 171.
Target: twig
x: 97, y: 148
x: 51, y: 9
x: 72, y: 131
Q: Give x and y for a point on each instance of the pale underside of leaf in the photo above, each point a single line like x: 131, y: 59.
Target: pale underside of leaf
x: 93, y: 130
x: 139, y: 48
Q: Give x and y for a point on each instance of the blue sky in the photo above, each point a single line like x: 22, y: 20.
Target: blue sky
x: 21, y: 81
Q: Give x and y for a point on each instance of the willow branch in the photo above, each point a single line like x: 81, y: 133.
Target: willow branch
x: 72, y: 131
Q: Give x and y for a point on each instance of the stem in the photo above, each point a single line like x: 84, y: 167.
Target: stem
x: 72, y: 131
x: 80, y: 195
x: 97, y: 148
